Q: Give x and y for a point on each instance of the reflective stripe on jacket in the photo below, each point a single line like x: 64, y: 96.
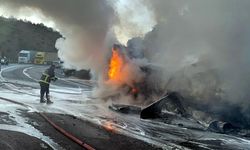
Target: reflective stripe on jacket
x: 46, y: 78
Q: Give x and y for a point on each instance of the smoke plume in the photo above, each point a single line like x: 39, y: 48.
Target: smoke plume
x: 84, y: 24
x: 204, y: 47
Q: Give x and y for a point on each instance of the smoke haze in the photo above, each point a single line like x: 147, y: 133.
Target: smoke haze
x: 213, y: 33
x: 201, y: 45
x: 204, y: 46
x: 84, y: 24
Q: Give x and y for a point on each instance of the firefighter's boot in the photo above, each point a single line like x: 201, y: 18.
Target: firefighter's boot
x: 42, y: 100
x: 48, y: 99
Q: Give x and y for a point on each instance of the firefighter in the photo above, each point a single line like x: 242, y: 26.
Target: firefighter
x: 47, y: 76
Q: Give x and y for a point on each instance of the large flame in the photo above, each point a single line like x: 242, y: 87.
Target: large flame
x: 119, y: 72
x: 115, y: 66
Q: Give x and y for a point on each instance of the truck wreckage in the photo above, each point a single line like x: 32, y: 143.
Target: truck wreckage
x: 169, y: 109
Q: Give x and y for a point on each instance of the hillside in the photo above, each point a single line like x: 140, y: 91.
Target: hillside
x: 16, y: 35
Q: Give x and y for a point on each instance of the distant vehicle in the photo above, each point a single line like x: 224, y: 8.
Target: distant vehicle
x: 45, y: 58
x: 39, y: 58
x: 26, y: 56
x: 4, y: 61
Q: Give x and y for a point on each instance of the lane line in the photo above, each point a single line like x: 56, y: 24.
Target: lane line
x: 4, y: 69
x: 4, y: 80
x: 27, y: 75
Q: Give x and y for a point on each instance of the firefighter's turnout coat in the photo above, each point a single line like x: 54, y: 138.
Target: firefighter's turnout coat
x: 47, y: 76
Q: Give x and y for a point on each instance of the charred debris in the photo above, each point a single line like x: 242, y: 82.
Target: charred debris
x: 170, y: 109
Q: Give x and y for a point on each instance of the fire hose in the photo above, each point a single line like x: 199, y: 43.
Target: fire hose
x: 58, y: 128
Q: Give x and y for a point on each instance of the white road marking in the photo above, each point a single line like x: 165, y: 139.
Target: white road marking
x: 27, y: 75
x: 4, y: 69
x: 3, y: 79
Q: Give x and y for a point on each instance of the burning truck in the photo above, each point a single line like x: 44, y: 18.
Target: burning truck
x: 131, y: 77
x: 133, y: 80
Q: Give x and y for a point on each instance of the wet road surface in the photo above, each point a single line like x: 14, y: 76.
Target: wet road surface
x: 72, y: 97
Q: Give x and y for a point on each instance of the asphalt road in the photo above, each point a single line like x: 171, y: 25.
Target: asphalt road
x: 31, y: 131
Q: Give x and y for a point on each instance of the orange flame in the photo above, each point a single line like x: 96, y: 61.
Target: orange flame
x: 108, y: 126
x: 115, y: 66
